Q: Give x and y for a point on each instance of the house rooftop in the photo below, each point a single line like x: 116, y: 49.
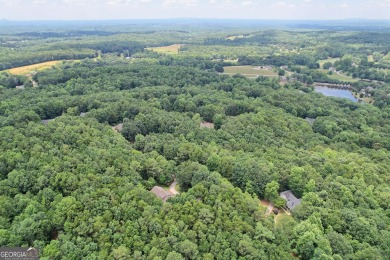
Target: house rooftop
x: 291, y: 200
x: 46, y: 121
x: 161, y: 193
x: 206, y: 125
x: 310, y: 120
x: 118, y: 128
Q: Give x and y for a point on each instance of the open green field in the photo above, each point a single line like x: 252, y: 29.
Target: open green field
x: 171, y: 49
x: 234, y: 37
x: 340, y: 77
x: 322, y: 62
x: 249, y: 71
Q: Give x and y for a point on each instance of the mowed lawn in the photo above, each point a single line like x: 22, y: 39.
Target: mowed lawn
x: 341, y: 77
x: 171, y: 49
x: 249, y: 71
x: 24, y: 70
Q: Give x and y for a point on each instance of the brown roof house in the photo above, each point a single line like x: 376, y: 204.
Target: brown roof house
x: 291, y: 200
x: 161, y: 193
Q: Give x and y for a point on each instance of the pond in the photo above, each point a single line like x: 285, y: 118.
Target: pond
x: 333, y: 92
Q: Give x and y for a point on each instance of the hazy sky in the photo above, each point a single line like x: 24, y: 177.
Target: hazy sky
x: 246, y: 9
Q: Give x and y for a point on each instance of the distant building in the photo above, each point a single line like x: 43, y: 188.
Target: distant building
x: 206, y: 125
x: 118, y: 128
x: 310, y: 120
x: 366, y: 92
x: 46, y: 121
x: 291, y: 200
x: 161, y: 193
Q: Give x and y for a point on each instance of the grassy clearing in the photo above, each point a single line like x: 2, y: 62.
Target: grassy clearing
x: 177, y: 187
x: 282, y: 217
x: 171, y: 49
x: 249, y: 71
x: 24, y: 70
x: 232, y: 61
x: 341, y: 77
x: 322, y: 62
x: 370, y: 58
x: 234, y: 37
x: 263, y: 206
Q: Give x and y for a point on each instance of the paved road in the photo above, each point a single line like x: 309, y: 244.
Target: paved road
x: 172, y: 187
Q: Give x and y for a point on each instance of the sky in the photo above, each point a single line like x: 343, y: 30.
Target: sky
x: 161, y: 9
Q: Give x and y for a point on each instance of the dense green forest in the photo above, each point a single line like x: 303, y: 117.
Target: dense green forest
x: 75, y: 188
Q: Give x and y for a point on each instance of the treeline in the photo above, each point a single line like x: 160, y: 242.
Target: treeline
x: 23, y: 57
x: 363, y: 69
x: 287, y: 60
x: 65, y: 34
x: 11, y: 81
x: 66, y: 51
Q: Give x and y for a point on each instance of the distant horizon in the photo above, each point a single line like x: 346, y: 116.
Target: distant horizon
x: 101, y: 10
x: 194, y: 18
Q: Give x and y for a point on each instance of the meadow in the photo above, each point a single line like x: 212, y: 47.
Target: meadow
x: 171, y: 49
x: 24, y: 70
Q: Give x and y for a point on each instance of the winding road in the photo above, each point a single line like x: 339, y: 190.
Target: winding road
x: 172, y: 187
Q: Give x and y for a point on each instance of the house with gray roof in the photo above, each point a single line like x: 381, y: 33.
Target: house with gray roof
x: 291, y: 200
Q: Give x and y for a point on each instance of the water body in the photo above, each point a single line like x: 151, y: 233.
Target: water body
x: 333, y: 92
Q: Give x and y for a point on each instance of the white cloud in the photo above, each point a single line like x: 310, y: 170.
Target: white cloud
x: 75, y: 1
x: 187, y: 3
x: 247, y: 3
x: 384, y: 3
x: 134, y: 9
x: 283, y: 5
x: 39, y: 2
x: 167, y: 3
x: 118, y: 2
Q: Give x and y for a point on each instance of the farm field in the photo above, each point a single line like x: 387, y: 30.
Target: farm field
x: 249, y: 71
x: 171, y: 49
x: 35, y: 67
